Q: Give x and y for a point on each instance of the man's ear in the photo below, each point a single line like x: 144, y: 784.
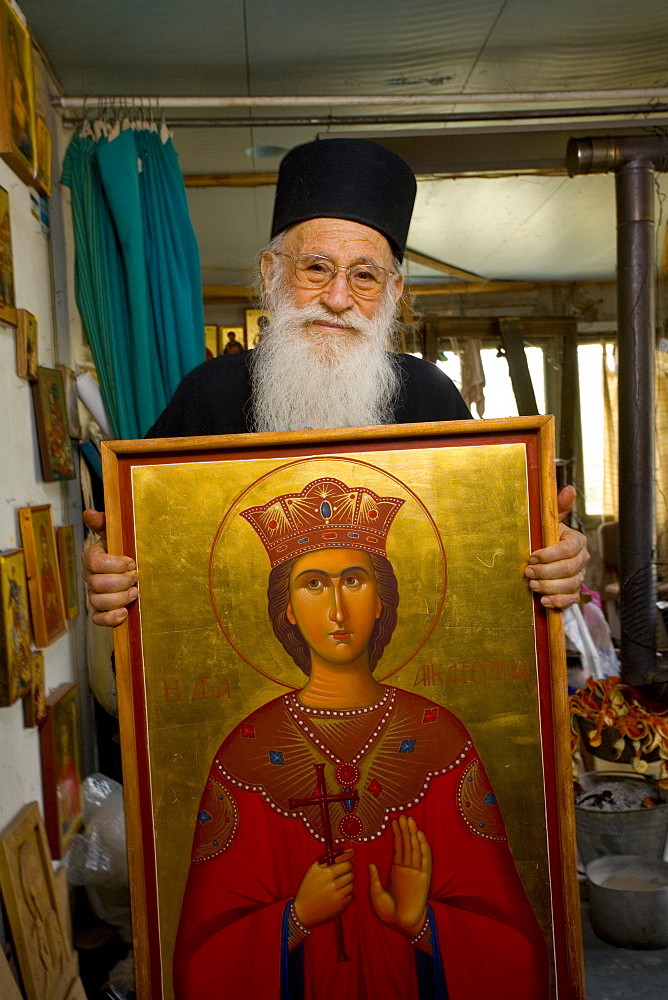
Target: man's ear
x: 398, y: 287
x: 267, y: 265
x: 290, y: 615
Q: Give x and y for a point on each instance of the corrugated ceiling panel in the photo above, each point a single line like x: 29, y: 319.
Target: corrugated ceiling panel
x: 377, y: 47
x: 519, y: 228
x: 575, y: 45
x: 143, y: 46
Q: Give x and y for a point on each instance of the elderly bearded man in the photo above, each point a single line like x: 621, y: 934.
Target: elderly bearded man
x: 331, y: 276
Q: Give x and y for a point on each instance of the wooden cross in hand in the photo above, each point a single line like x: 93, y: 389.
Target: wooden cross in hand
x: 322, y: 799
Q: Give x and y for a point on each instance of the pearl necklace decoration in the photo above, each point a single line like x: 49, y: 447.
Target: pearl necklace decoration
x: 337, y: 713
x: 294, y: 707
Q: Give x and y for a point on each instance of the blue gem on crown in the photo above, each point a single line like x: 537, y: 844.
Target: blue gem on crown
x: 326, y: 509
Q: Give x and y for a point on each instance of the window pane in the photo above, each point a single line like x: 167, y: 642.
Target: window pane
x: 590, y: 360
x: 499, y: 395
x: 452, y: 366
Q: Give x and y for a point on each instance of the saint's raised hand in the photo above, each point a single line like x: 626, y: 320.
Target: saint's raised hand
x: 403, y: 904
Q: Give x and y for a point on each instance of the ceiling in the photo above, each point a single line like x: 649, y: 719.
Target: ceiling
x: 530, y: 223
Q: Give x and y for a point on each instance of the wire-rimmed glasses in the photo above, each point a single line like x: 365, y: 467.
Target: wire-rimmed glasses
x: 315, y: 271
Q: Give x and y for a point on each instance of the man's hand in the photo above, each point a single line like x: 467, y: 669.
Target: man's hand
x: 325, y: 891
x: 403, y: 905
x: 110, y: 579
x: 557, y: 572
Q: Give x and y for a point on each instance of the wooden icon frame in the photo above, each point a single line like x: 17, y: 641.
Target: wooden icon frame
x: 143, y: 681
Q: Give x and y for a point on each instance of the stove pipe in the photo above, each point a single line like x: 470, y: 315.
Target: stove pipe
x: 634, y: 159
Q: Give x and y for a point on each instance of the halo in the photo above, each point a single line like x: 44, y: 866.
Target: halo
x: 240, y: 500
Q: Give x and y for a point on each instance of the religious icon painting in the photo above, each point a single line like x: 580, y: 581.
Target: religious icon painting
x: 7, y: 296
x: 231, y: 339
x: 358, y: 708
x: 53, y: 434
x: 256, y: 322
x: 69, y: 569
x: 17, y: 92
x: 43, y: 138
x: 61, y: 768
x: 15, y: 652
x: 26, y: 345
x: 210, y: 342
x: 71, y: 401
x: 47, y: 608
x: 38, y: 922
x: 34, y: 703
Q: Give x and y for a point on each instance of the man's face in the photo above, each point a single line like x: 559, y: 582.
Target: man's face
x: 345, y: 243
x: 346, y: 375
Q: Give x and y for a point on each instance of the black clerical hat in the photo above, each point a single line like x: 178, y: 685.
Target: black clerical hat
x: 346, y: 179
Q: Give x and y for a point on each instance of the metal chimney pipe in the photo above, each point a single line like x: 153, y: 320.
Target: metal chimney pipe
x: 634, y: 185
x: 634, y: 160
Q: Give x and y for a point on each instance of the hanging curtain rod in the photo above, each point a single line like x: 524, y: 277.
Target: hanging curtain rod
x: 632, y: 113
x: 340, y: 100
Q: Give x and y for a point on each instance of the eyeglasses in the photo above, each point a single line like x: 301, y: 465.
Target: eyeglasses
x: 315, y: 271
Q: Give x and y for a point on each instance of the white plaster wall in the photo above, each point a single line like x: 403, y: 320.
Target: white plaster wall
x: 20, y: 474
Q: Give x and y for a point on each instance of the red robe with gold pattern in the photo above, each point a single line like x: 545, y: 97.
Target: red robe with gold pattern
x: 251, y: 852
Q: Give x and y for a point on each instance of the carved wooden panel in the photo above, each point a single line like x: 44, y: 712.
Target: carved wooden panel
x: 8, y: 988
x: 48, y: 966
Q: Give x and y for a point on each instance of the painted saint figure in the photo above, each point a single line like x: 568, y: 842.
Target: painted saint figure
x: 50, y: 585
x: 19, y: 95
x: 19, y: 633
x: 69, y: 801
x: 423, y: 882
x: 233, y: 346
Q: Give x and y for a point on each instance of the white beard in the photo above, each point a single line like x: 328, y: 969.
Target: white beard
x: 304, y: 379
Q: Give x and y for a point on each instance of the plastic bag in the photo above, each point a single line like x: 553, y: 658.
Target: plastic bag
x: 97, y: 858
x: 121, y: 979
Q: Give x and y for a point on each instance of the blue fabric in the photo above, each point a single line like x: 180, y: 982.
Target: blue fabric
x: 292, y: 964
x: 96, y: 268
x: 429, y: 968
x: 138, y: 281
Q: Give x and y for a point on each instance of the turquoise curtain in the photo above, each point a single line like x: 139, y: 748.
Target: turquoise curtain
x: 137, y: 271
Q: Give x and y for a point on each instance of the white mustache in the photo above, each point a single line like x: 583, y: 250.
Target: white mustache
x: 350, y: 319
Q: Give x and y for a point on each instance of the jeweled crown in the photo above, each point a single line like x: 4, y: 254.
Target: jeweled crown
x: 326, y: 514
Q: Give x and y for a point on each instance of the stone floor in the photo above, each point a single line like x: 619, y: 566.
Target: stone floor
x: 622, y: 973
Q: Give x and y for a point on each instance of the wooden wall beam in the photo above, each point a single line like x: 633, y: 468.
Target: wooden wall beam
x: 510, y: 331
x: 223, y: 293
x: 229, y: 180
x: 440, y: 265
x: 476, y: 287
x: 570, y: 397
x: 487, y: 327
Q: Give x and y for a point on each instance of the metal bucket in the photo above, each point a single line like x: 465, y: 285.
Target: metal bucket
x: 635, y: 831
x: 628, y: 900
